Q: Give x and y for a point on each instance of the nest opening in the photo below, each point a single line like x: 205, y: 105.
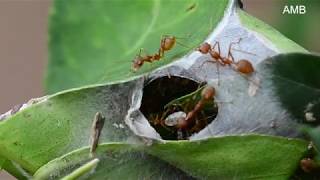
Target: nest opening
x: 161, y: 91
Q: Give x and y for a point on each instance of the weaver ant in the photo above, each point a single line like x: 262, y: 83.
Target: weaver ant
x: 244, y: 66
x: 187, y: 114
x: 166, y: 44
x: 195, y: 119
x: 189, y: 121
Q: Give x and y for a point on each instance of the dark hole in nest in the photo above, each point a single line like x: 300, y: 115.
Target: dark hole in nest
x: 163, y: 90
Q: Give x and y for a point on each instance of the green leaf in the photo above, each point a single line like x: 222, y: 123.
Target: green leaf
x: 295, y: 81
x: 2, y: 161
x: 235, y: 157
x: 62, y: 122
x: 87, y: 167
x: 314, y: 135
x: 184, y: 100
x: 13, y: 168
x: 116, y: 161
x: 240, y: 157
x: 96, y: 41
x: 282, y: 43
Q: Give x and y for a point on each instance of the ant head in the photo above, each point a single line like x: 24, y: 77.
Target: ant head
x: 208, y: 93
x: 204, y: 48
x: 244, y: 66
x: 168, y: 42
x: 137, y: 63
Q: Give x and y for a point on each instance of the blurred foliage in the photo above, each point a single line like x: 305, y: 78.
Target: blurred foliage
x: 302, y: 99
x: 302, y: 28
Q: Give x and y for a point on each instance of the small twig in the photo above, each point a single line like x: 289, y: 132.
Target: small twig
x: 96, y: 128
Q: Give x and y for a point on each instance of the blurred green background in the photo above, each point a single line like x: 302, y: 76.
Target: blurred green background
x: 304, y: 29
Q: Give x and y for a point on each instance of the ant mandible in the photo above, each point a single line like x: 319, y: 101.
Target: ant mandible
x: 166, y: 44
x: 244, y: 66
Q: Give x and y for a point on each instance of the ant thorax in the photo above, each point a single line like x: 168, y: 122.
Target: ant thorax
x: 226, y: 61
x: 215, y: 55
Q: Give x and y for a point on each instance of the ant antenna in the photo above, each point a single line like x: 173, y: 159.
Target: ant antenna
x: 246, y: 52
x: 183, y: 45
x: 237, y: 42
x: 140, y: 51
x: 187, y: 37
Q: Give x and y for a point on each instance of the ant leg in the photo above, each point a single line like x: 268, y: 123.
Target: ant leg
x: 165, y: 36
x: 230, y: 47
x: 186, y: 37
x: 158, y: 55
x: 183, y: 45
x: 218, y: 45
x: 162, y: 44
x: 218, y: 64
x: 140, y: 51
x: 219, y: 52
x: 207, y: 61
x: 245, y: 52
x: 218, y: 71
x: 230, y: 55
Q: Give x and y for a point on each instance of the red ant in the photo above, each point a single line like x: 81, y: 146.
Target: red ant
x: 166, y: 44
x: 175, y: 120
x: 207, y: 95
x: 244, y: 66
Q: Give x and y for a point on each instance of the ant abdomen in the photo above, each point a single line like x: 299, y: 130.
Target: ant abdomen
x: 244, y: 66
x: 168, y: 43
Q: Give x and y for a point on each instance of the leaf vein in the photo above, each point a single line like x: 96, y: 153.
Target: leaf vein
x: 142, y: 38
